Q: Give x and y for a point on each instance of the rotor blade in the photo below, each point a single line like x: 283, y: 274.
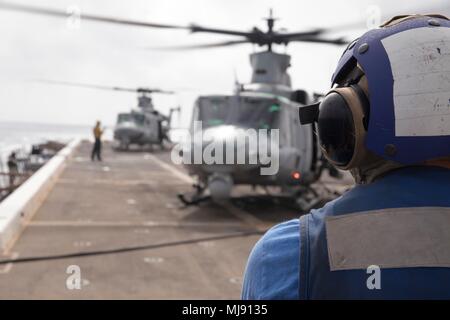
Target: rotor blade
x: 255, y: 36
x: 197, y: 28
x: 203, y: 46
x: 309, y: 36
x: 64, y: 14
x: 337, y: 41
x: 303, y: 34
x: 94, y: 86
x: 148, y: 90
x: 86, y: 85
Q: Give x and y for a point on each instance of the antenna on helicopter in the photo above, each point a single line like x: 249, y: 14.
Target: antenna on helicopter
x: 270, y: 24
x: 238, y: 87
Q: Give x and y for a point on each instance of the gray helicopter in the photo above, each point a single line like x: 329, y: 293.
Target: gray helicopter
x: 268, y: 102
x: 144, y: 126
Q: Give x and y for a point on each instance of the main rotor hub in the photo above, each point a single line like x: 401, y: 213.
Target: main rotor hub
x: 145, y: 102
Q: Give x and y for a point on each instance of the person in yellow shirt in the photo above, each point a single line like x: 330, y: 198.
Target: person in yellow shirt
x: 97, y: 149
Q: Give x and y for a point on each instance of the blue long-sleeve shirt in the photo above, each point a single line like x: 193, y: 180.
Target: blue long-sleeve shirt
x: 264, y: 276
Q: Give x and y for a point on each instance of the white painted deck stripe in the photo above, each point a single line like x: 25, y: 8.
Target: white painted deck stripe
x: 178, y: 173
x: 7, y: 268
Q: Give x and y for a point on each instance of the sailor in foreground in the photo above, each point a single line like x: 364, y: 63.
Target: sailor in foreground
x: 387, y: 120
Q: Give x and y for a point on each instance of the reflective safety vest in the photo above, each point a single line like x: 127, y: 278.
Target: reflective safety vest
x: 399, y: 223
x: 97, y: 132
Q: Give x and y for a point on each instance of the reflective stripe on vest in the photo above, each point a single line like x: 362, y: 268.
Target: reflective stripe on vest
x: 389, y: 238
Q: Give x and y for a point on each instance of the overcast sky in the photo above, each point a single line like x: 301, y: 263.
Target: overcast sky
x: 41, y: 47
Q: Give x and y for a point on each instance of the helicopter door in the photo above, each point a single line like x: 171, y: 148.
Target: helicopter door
x: 195, y: 116
x: 160, y: 131
x: 303, y: 140
x: 284, y: 125
x: 153, y: 125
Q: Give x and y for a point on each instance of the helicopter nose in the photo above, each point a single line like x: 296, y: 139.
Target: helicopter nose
x: 220, y: 186
x: 126, y: 129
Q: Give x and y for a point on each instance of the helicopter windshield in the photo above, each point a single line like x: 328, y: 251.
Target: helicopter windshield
x: 137, y: 118
x: 247, y: 112
x: 123, y: 117
x: 213, y: 111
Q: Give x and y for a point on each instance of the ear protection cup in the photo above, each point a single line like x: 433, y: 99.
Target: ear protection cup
x: 336, y: 129
x: 343, y: 120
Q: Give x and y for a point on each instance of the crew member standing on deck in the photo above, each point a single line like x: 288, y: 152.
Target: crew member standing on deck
x: 386, y: 119
x: 12, y: 168
x: 97, y: 149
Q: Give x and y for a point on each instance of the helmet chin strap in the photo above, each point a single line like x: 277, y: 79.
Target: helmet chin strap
x: 373, y: 167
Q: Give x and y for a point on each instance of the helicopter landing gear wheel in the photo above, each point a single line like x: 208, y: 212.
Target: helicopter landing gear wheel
x: 196, y: 198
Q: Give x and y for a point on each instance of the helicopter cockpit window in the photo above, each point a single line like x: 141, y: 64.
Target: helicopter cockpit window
x: 139, y: 119
x: 213, y: 112
x: 257, y: 113
x: 123, y: 117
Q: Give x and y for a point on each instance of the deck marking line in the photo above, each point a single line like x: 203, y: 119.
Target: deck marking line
x: 7, y: 268
x: 243, y: 215
x: 183, y: 176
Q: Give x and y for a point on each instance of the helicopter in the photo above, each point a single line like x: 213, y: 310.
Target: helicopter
x: 268, y: 102
x: 141, y: 127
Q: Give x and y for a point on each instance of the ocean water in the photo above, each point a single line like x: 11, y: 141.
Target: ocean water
x: 21, y: 136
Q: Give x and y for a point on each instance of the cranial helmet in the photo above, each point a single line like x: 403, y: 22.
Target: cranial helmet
x: 390, y: 96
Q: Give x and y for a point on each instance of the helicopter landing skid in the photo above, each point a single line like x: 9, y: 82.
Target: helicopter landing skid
x: 195, y: 199
x: 307, y: 199
x: 314, y: 196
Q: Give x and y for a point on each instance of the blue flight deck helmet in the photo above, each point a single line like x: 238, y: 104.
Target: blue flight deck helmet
x: 390, y: 96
